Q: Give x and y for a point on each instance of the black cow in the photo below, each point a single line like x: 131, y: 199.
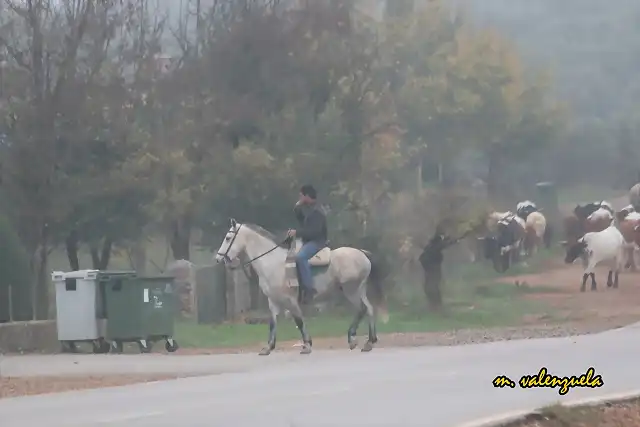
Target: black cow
x: 503, y: 246
x: 583, y: 211
x: 524, y: 209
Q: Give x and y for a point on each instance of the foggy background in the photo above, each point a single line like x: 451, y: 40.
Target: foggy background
x: 130, y: 136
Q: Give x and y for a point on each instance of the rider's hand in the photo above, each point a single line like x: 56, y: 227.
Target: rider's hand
x: 291, y: 233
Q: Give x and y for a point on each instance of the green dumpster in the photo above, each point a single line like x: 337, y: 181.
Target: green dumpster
x: 139, y: 309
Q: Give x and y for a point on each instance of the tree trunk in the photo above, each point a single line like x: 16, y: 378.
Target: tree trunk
x: 181, y: 239
x: 40, y: 286
x: 494, y: 175
x: 140, y: 257
x: 71, y: 244
x: 100, y: 259
x: 419, y: 181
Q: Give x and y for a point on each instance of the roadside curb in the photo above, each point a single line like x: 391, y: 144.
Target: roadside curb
x: 519, y: 416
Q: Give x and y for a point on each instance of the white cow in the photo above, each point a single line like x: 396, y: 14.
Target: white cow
x: 601, y: 246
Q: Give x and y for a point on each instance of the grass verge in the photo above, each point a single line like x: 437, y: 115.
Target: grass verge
x: 473, y: 299
x: 619, y: 414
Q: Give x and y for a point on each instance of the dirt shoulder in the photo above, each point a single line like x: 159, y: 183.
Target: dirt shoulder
x: 571, y: 312
x: 27, y: 386
x: 622, y: 414
x: 448, y: 338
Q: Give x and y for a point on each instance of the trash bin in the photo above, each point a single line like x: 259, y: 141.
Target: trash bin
x: 80, y: 311
x: 140, y: 309
x: 547, y: 199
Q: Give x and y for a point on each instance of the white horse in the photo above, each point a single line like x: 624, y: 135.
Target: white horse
x: 349, y: 269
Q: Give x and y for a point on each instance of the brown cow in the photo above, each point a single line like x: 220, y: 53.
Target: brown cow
x: 624, y: 212
x: 628, y: 228
x: 575, y: 228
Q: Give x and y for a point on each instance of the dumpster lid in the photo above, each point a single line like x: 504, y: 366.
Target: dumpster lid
x: 79, y: 274
x: 107, y: 274
x: 159, y: 277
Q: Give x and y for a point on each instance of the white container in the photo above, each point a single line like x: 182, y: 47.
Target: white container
x: 79, y: 312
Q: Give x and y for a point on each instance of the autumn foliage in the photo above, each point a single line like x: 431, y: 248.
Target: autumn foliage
x: 121, y: 121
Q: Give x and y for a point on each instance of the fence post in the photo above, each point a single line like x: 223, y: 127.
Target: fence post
x: 10, y: 301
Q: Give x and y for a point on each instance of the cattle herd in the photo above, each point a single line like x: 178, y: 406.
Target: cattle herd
x: 595, y: 232
x: 513, y: 236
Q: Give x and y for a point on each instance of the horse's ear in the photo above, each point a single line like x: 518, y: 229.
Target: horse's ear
x: 233, y: 222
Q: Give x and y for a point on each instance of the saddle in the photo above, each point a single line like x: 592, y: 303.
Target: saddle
x: 321, y: 259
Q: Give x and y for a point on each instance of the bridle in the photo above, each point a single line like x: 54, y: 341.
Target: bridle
x: 228, y: 261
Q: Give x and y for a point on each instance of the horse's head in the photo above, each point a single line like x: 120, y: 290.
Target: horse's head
x: 233, y: 244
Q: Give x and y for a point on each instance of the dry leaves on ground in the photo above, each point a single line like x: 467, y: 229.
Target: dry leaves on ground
x: 23, y: 386
x: 623, y: 414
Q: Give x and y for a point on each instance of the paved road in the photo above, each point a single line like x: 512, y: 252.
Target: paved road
x: 438, y: 386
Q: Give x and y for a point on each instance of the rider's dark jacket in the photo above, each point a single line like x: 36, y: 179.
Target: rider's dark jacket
x: 312, y: 224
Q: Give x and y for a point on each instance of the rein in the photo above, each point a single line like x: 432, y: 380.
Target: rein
x: 266, y: 253
x: 225, y: 255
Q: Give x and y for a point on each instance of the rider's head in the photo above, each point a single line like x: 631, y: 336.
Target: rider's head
x: 308, y: 194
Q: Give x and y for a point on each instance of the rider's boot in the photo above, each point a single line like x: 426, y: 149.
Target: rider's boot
x: 308, y: 294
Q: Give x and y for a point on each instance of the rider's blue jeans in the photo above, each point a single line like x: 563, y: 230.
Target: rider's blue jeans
x: 307, y: 251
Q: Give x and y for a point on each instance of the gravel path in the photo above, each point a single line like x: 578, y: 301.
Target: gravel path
x: 29, y: 386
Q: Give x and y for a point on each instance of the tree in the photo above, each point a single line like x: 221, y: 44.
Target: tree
x: 54, y: 50
x: 459, y: 89
x: 14, y: 274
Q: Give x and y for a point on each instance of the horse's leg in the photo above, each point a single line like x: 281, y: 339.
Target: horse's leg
x: 353, y: 329
x: 271, y: 344
x: 373, y: 336
x: 296, y: 312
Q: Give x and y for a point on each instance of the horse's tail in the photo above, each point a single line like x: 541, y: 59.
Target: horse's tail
x: 548, y: 234
x: 374, y: 284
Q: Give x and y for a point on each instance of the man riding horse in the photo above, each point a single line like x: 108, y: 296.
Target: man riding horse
x: 312, y: 229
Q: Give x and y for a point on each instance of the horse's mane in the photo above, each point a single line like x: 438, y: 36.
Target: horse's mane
x: 264, y: 233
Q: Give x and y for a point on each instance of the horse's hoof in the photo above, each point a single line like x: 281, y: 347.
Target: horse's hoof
x: 367, y: 347
x: 306, y: 349
x: 353, y: 344
x: 265, y: 352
